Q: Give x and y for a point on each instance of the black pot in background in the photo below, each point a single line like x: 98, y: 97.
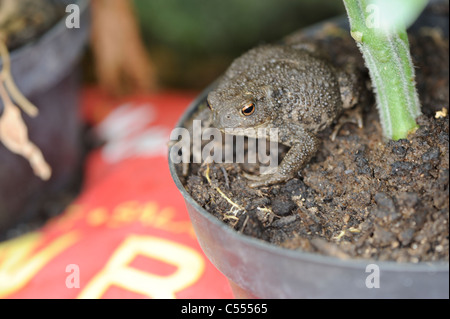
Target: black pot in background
x: 45, y: 72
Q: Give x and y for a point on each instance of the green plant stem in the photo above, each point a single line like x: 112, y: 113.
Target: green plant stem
x: 386, y: 54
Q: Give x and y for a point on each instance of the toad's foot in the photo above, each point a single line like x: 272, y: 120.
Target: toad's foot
x: 266, y: 179
x: 353, y: 116
x: 305, y: 146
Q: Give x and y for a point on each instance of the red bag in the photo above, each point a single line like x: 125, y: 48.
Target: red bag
x: 128, y: 234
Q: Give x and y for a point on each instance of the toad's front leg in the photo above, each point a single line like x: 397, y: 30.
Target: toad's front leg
x: 303, y: 144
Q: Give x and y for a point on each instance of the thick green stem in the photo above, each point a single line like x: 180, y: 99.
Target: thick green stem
x: 386, y: 54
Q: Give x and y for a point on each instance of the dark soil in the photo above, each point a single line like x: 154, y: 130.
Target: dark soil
x: 359, y: 197
x: 26, y: 20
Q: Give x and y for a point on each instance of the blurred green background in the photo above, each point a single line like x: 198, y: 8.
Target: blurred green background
x: 193, y: 41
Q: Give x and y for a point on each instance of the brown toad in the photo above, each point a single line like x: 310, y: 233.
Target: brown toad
x: 279, y: 86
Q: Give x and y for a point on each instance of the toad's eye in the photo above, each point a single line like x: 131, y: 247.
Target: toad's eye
x: 208, y: 105
x: 248, y: 109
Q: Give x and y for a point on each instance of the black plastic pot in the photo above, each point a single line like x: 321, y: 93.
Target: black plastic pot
x: 44, y: 70
x: 258, y: 269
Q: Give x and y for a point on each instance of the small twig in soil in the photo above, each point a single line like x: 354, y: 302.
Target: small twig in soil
x: 340, y: 235
x: 225, y: 175
x: 344, y: 232
x: 354, y: 230
x: 269, y: 215
x: 441, y: 114
x: 221, y: 193
x: 244, y: 224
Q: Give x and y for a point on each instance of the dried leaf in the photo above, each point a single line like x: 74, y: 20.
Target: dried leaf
x: 13, y: 130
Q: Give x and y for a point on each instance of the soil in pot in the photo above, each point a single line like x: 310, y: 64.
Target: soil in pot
x: 359, y: 197
x: 25, y: 20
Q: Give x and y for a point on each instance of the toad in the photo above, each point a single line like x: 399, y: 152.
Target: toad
x: 283, y: 87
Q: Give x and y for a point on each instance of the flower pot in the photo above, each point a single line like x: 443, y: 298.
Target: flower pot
x: 45, y: 72
x: 256, y: 268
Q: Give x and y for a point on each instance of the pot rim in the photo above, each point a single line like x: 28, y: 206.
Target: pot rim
x: 435, y: 266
